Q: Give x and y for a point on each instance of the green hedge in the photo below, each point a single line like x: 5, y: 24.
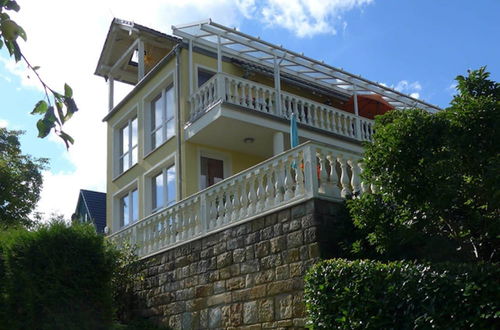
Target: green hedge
x: 362, y: 294
x: 56, y: 277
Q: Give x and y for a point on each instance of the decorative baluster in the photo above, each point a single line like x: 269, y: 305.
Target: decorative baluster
x: 299, y: 174
x: 261, y: 194
x: 278, y: 178
x: 322, y: 175
x: 269, y: 201
x: 355, y: 179
x: 344, y: 178
x: 235, y: 201
x: 252, y: 196
x: 288, y: 182
x: 334, y: 180
x: 243, y: 200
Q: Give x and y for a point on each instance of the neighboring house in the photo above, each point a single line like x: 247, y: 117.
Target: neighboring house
x: 91, y: 208
x: 202, y: 139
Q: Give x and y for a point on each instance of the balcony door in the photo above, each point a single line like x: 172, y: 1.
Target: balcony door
x: 212, y: 171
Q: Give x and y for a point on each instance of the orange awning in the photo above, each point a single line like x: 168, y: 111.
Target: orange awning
x: 369, y: 105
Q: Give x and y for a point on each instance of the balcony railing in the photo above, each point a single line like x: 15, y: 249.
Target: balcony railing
x: 310, y: 170
x: 261, y: 98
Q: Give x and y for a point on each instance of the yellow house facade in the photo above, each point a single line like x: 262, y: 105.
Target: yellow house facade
x: 201, y: 142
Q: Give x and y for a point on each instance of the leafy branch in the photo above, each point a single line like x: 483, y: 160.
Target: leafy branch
x: 56, y: 109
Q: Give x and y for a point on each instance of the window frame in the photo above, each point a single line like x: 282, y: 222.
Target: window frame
x: 129, y: 195
x: 164, y: 124
x: 166, y: 201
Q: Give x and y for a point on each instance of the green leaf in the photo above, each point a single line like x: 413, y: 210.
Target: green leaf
x: 36, y: 68
x: 68, y: 92
x: 40, y: 108
x: 60, y: 111
x: 67, y: 139
x: 43, y: 128
x: 12, y: 5
x: 71, y: 108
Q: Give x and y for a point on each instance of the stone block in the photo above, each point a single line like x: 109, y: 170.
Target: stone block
x: 271, y: 261
x: 176, y: 307
x: 224, y: 259
x: 258, y: 224
x: 249, y: 252
x: 267, y: 233
x: 304, y: 252
x: 278, y: 287
x: 264, y: 276
x: 298, y: 211
x: 296, y: 269
x: 252, y: 238
x: 196, y: 304
x: 181, y: 261
x: 266, y: 310
x: 294, y: 239
x: 310, y: 235
x: 219, y: 299
x: 175, y: 321
x: 249, y: 266
x: 204, y: 290
x: 214, y: 317
x: 235, y: 243
x: 235, y: 283
x: 232, y: 315
x: 308, y: 221
x: 282, y: 272
x: 314, y: 250
x: 238, y: 255
x: 284, y: 215
x: 249, y: 294
x: 262, y: 249
x: 220, y: 248
x: 278, y: 244
x: 284, y: 307
x: 299, y: 306
x: 250, y: 312
x: 219, y: 287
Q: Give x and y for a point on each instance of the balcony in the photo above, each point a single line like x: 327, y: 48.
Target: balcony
x: 311, y: 170
x: 259, y: 98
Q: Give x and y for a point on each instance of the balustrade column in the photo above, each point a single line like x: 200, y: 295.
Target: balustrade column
x: 310, y: 171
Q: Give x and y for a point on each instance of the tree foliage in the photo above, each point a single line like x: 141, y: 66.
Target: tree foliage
x: 437, y: 178
x: 56, y: 108
x: 20, y: 181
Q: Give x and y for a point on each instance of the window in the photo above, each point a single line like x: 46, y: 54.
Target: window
x: 212, y: 171
x: 204, y: 76
x: 128, y: 145
x: 129, y: 208
x: 162, y: 117
x: 164, y: 188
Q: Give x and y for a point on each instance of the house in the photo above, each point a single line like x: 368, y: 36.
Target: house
x: 201, y: 142
x: 91, y: 208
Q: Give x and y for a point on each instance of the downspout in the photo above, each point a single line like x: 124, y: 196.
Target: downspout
x: 178, y: 118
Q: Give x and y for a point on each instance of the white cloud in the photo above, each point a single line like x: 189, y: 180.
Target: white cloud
x: 305, y: 18
x: 411, y: 88
x: 3, y: 123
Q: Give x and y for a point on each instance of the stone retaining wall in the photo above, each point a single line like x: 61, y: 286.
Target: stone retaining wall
x: 249, y: 276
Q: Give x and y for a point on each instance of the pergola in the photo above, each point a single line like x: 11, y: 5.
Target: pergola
x: 231, y: 42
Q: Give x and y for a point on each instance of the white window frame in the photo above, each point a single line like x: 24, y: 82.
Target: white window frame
x: 165, y: 203
x: 117, y: 207
x: 147, y: 101
x: 199, y: 67
x: 121, y: 154
x: 162, y: 97
x: 149, y: 176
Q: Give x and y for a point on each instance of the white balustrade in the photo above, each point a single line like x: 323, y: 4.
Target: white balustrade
x: 259, y: 97
x: 307, y: 171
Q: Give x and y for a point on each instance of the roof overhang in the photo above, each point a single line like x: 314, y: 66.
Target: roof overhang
x: 240, y: 45
x: 121, y: 43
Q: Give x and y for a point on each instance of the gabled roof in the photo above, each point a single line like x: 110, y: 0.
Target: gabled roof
x: 232, y: 42
x: 95, y: 204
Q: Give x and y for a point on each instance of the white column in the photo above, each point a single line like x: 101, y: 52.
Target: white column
x: 140, y: 64
x: 111, y: 93
x: 356, y: 112
x: 278, y: 143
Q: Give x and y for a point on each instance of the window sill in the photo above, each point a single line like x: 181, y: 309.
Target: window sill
x: 158, y: 147
x: 123, y: 173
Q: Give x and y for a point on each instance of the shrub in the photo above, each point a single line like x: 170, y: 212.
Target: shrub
x: 57, y: 277
x: 364, y: 294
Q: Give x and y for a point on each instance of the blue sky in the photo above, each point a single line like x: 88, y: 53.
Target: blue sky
x: 415, y: 46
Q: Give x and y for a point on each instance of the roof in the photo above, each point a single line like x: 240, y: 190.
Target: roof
x: 230, y: 41
x: 95, y: 203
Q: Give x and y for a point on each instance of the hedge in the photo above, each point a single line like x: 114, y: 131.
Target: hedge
x: 341, y: 294
x: 56, y: 277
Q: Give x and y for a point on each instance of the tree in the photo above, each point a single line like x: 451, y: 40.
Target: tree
x: 56, y: 108
x: 437, y: 178
x: 20, y: 181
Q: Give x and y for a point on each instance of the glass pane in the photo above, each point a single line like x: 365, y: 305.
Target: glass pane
x: 158, y: 138
x: 212, y: 171
x: 135, y: 206
x: 124, y: 211
x: 170, y: 103
x: 170, y: 128
x: 157, y: 112
x: 134, y: 132
x: 134, y: 154
x: 204, y: 76
x: 125, y: 162
x: 158, y: 191
x: 124, y: 140
x: 171, y: 185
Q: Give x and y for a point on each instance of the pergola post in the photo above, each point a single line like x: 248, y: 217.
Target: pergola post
x: 190, y: 69
x: 277, y: 86
x: 357, y: 132
x: 220, y: 78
